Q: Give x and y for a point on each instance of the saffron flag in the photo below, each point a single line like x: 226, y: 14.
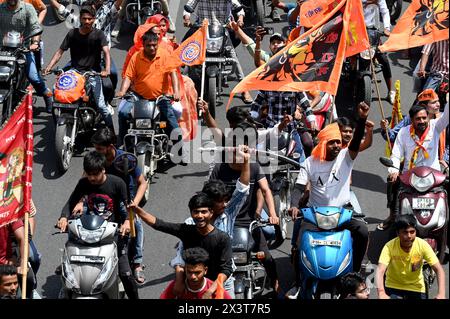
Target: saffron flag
x: 397, y: 115
x: 16, y: 163
x: 313, y: 11
x: 191, y: 51
x: 188, y: 121
x: 357, y: 38
x: 312, y: 62
x: 425, y: 21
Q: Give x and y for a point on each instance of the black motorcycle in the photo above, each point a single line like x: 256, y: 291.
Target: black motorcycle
x: 395, y: 9
x: 13, y: 78
x: 146, y: 137
x: 76, y: 120
x: 138, y: 11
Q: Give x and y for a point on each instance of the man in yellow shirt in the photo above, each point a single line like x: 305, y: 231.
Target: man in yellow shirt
x: 403, y: 258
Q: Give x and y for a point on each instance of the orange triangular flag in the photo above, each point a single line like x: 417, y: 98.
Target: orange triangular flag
x: 423, y: 22
x: 191, y: 51
x: 357, y: 39
x: 312, y: 62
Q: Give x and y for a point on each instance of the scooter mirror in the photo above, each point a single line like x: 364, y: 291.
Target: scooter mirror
x: 124, y: 161
x: 188, y: 8
x: 386, y: 161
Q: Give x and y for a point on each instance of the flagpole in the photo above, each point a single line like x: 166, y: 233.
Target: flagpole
x: 202, y: 87
x: 24, y: 261
x: 372, y: 70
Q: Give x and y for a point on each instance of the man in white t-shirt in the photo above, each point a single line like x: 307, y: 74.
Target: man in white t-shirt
x: 328, y: 173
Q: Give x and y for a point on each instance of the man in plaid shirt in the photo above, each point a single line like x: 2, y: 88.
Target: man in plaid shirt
x: 217, y: 12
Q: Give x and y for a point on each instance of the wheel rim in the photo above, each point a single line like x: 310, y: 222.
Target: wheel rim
x: 67, y: 150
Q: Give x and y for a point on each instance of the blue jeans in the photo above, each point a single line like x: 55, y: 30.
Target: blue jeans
x: 433, y: 81
x: 404, y: 294
x: 33, y: 74
x: 136, y: 248
x: 97, y: 92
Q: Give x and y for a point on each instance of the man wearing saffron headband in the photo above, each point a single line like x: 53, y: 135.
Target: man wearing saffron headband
x: 328, y: 172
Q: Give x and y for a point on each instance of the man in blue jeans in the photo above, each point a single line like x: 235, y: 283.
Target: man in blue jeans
x: 18, y: 16
x: 149, y: 80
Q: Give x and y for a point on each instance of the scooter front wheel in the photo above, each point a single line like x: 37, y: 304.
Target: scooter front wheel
x: 63, y: 146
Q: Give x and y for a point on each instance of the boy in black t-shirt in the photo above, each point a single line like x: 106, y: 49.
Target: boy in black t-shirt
x: 104, y: 195
x: 203, y: 234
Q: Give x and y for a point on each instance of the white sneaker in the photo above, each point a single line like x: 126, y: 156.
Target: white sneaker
x: 391, y: 97
x: 292, y: 293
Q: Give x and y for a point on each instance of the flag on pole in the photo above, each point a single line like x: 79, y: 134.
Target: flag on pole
x: 313, y: 11
x: 397, y: 115
x: 357, y: 38
x: 312, y: 62
x: 16, y: 163
x: 191, y: 51
x: 425, y: 21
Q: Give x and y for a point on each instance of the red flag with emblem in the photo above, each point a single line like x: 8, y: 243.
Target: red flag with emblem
x: 16, y: 163
x: 425, y: 21
x: 312, y: 62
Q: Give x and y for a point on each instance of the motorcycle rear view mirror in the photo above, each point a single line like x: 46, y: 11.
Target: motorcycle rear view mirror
x: 188, y: 8
x: 386, y: 161
x: 125, y: 162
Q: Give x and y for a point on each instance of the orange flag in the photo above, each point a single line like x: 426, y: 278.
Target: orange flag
x: 425, y: 21
x: 357, y: 38
x: 192, y: 51
x: 313, y: 11
x: 312, y: 62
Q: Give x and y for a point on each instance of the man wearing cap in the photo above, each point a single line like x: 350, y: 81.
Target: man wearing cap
x: 430, y: 100
x: 328, y: 172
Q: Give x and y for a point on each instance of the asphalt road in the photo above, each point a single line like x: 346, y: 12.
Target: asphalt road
x: 172, y: 189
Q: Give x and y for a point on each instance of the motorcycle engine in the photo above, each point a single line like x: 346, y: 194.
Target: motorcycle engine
x: 87, y: 119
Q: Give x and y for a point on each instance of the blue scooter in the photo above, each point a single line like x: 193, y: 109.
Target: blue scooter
x: 325, y: 253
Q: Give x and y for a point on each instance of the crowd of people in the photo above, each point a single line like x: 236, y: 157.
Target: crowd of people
x: 238, y: 190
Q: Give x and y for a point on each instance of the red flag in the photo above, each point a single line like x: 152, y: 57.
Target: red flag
x: 16, y: 163
x: 312, y: 62
x: 189, y: 119
x: 191, y: 51
x: 425, y: 21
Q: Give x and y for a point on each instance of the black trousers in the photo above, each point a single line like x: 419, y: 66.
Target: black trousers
x: 125, y: 272
x: 268, y: 262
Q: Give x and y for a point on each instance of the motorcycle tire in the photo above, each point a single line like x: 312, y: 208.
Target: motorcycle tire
x: 395, y: 10
x: 281, y: 207
x: 365, y: 90
x: 63, y: 150
x: 59, y: 16
x: 260, y: 12
x: 212, y: 96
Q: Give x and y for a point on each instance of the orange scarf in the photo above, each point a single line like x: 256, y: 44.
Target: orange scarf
x: 419, y: 145
x: 330, y: 132
x: 441, y: 141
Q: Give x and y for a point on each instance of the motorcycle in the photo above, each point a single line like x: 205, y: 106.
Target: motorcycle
x: 250, y: 274
x: 90, y: 260
x: 425, y: 197
x: 13, y: 78
x: 255, y: 11
x: 395, y: 9
x: 138, y: 11
x: 146, y: 137
x: 218, y: 64
x: 74, y: 111
x: 325, y: 254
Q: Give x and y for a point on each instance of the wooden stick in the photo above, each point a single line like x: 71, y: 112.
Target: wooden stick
x: 202, y: 87
x: 24, y: 261
x: 372, y: 70
x: 132, y: 228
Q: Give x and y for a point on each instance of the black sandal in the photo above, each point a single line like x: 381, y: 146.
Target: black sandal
x: 385, y: 224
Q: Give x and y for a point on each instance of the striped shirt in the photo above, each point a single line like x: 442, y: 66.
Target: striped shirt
x: 23, y: 19
x: 216, y: 11
x: 439, y: 52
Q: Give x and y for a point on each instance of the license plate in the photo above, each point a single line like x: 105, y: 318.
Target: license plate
x: 7, y: 58
x: 423, y: 203
x: 141, y: 132
x: 87, y: 259
x: 318, y: 242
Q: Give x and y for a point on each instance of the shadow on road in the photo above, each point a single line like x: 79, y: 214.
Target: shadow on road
x: 192, y: 174
x: 377, y: 240
x: 368, y: 181
x: 51, y: 287
x: 158, y: 281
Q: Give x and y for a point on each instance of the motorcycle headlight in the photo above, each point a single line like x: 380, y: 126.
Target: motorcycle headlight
x: 91, y: 236
x: 69, y: 275
x: 144, y: 123
x: 422, y: 184
x: 214, y: 45
x: 367, y: 54
x: 306, y: 262
x: 327, y: 222
x: 240, y: 257
x: 344, y: 263
x: 104, y: 275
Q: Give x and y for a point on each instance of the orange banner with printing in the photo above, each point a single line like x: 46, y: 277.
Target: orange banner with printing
x: 312, y: 12
x: 425, y: 21
x: 312, y: 62
x: 16, y: 163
